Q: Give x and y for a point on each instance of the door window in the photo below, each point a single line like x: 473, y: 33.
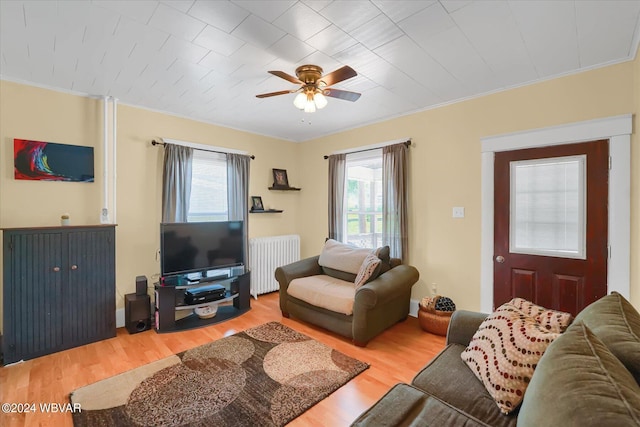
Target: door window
x: 548, y: 205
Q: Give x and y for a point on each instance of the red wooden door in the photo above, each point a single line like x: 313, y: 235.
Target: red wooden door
x: 550, y: 225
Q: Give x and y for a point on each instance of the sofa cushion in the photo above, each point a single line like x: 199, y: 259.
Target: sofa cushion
x: 552, y: 320
x: 579, y: 379
x: 617, y: 323
x: 368, y: 270
x: 449, y: 379
x: 504, y: 352
x: 405, y: 405
x: 324, y: 291
x: 342, y: 257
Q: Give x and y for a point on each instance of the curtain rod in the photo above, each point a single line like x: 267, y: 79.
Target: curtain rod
x: 407, y: 143
x: 154, y: 142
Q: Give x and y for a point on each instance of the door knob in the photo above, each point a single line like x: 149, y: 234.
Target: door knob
x: 500, y: 259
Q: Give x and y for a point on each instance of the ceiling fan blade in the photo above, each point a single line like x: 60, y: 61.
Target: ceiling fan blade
x: 282, y: 92
x: 338, y: 75
x: 342, y: 94
x: 286, y: 76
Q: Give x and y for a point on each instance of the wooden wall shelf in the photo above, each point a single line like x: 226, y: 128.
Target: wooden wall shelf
x: 267, y: 211
x: 275, y: 187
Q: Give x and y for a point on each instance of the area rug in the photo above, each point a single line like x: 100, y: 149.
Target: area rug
x: 264, y: 376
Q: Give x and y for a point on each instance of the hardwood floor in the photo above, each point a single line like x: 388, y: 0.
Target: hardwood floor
x: 395, y: 356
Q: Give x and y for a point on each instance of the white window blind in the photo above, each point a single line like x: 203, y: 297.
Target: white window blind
x: 548, y: 204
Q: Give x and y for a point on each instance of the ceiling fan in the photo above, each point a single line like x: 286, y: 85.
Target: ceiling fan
x: 314, y: 86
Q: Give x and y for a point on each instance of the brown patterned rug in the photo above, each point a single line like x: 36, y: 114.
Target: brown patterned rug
x: 264, y: 376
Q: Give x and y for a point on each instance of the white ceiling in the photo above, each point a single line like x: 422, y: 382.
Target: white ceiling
x: 207, y: 60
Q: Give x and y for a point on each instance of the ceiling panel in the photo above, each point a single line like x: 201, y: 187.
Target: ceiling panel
x: 258, y: 32
x: 331, y: 40
x: 208, y: 59
x: 426, y: 23
x: 349, y: 15
x: 378, y: 31
x: 267, y: 10
x: 397, y: 10
x: 218, y: 41
x: 301, y: 21
x: 494, y: 33
x: 290, y: 49
x: 174, y: 22
x: 181, y: 5
x: 138, y: 10
x: 221, y: 14
x: 606, y: 32
x: 552, y: 46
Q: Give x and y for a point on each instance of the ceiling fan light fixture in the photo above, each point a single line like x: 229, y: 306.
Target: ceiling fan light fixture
x: 300, y: 101
x: 310, y: 107
x: 320, y: 100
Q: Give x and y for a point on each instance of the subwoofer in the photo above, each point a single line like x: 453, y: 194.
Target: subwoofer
x: 137, y: 313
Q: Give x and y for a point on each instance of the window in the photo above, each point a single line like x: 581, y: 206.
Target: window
x: 548, y: 207
x: 364, y: 199
x: 208, y: 200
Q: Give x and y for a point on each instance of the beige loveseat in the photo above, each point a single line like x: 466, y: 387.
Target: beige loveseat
x: 588, y: 376
x: 314, y: 291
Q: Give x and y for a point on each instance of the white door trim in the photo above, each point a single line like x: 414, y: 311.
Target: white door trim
x: 618, y: 131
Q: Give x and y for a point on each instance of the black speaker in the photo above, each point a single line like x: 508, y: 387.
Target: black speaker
x: 137, y: 313
x: 141, y: 285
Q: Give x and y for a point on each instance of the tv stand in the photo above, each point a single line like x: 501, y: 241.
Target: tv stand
x: 169, y: 300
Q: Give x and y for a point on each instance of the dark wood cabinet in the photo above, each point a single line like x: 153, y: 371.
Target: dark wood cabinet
x: 58, y: 289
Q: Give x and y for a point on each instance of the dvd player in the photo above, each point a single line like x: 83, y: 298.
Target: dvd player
x: 204, y: 294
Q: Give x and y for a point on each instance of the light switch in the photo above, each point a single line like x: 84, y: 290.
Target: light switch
x: 458, y: 212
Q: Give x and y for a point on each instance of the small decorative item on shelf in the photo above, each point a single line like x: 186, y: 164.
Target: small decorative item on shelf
x: 206, y: 312
x: 256, y: 204
x: 65, y: 219
x: 280, y: 179
x: 435, y: 313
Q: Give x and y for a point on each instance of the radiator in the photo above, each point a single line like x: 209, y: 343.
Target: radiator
x: 265, y: 255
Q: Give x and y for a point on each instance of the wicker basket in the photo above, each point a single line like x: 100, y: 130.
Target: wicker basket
x: 432, y: 320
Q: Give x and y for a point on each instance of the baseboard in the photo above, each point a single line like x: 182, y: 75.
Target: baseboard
x: 413, y: 307
x: 120, y: 318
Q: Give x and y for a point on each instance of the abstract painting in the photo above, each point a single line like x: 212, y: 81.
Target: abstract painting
x: 48, y: 161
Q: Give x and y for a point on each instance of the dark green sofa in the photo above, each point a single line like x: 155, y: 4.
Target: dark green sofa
x: 589, y: 376
x: 378, y: 305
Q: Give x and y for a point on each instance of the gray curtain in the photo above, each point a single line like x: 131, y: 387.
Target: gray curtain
x: 395, y: 230
x: 337, y: 172
x: 238, y: 194
x: 176, y: 182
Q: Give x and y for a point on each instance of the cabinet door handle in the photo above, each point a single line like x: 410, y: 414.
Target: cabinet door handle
x: 74, y: 267
x: 56, y: 269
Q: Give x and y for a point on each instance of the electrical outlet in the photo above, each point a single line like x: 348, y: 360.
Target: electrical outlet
x: 434, y: 289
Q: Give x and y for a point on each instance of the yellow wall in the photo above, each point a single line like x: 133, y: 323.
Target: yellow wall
x: 446, y: 169
x: 33, y: 113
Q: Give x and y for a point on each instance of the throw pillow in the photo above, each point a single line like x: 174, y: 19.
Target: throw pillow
x: 383, y: 253
x: 552, y: 320
x: 367, y: 270
x: 617, y: 323
x: 505, y: 351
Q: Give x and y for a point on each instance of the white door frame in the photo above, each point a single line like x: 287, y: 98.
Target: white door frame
x: 618, y: 131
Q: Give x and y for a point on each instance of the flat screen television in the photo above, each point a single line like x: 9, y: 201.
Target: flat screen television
x: 190, y: 247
